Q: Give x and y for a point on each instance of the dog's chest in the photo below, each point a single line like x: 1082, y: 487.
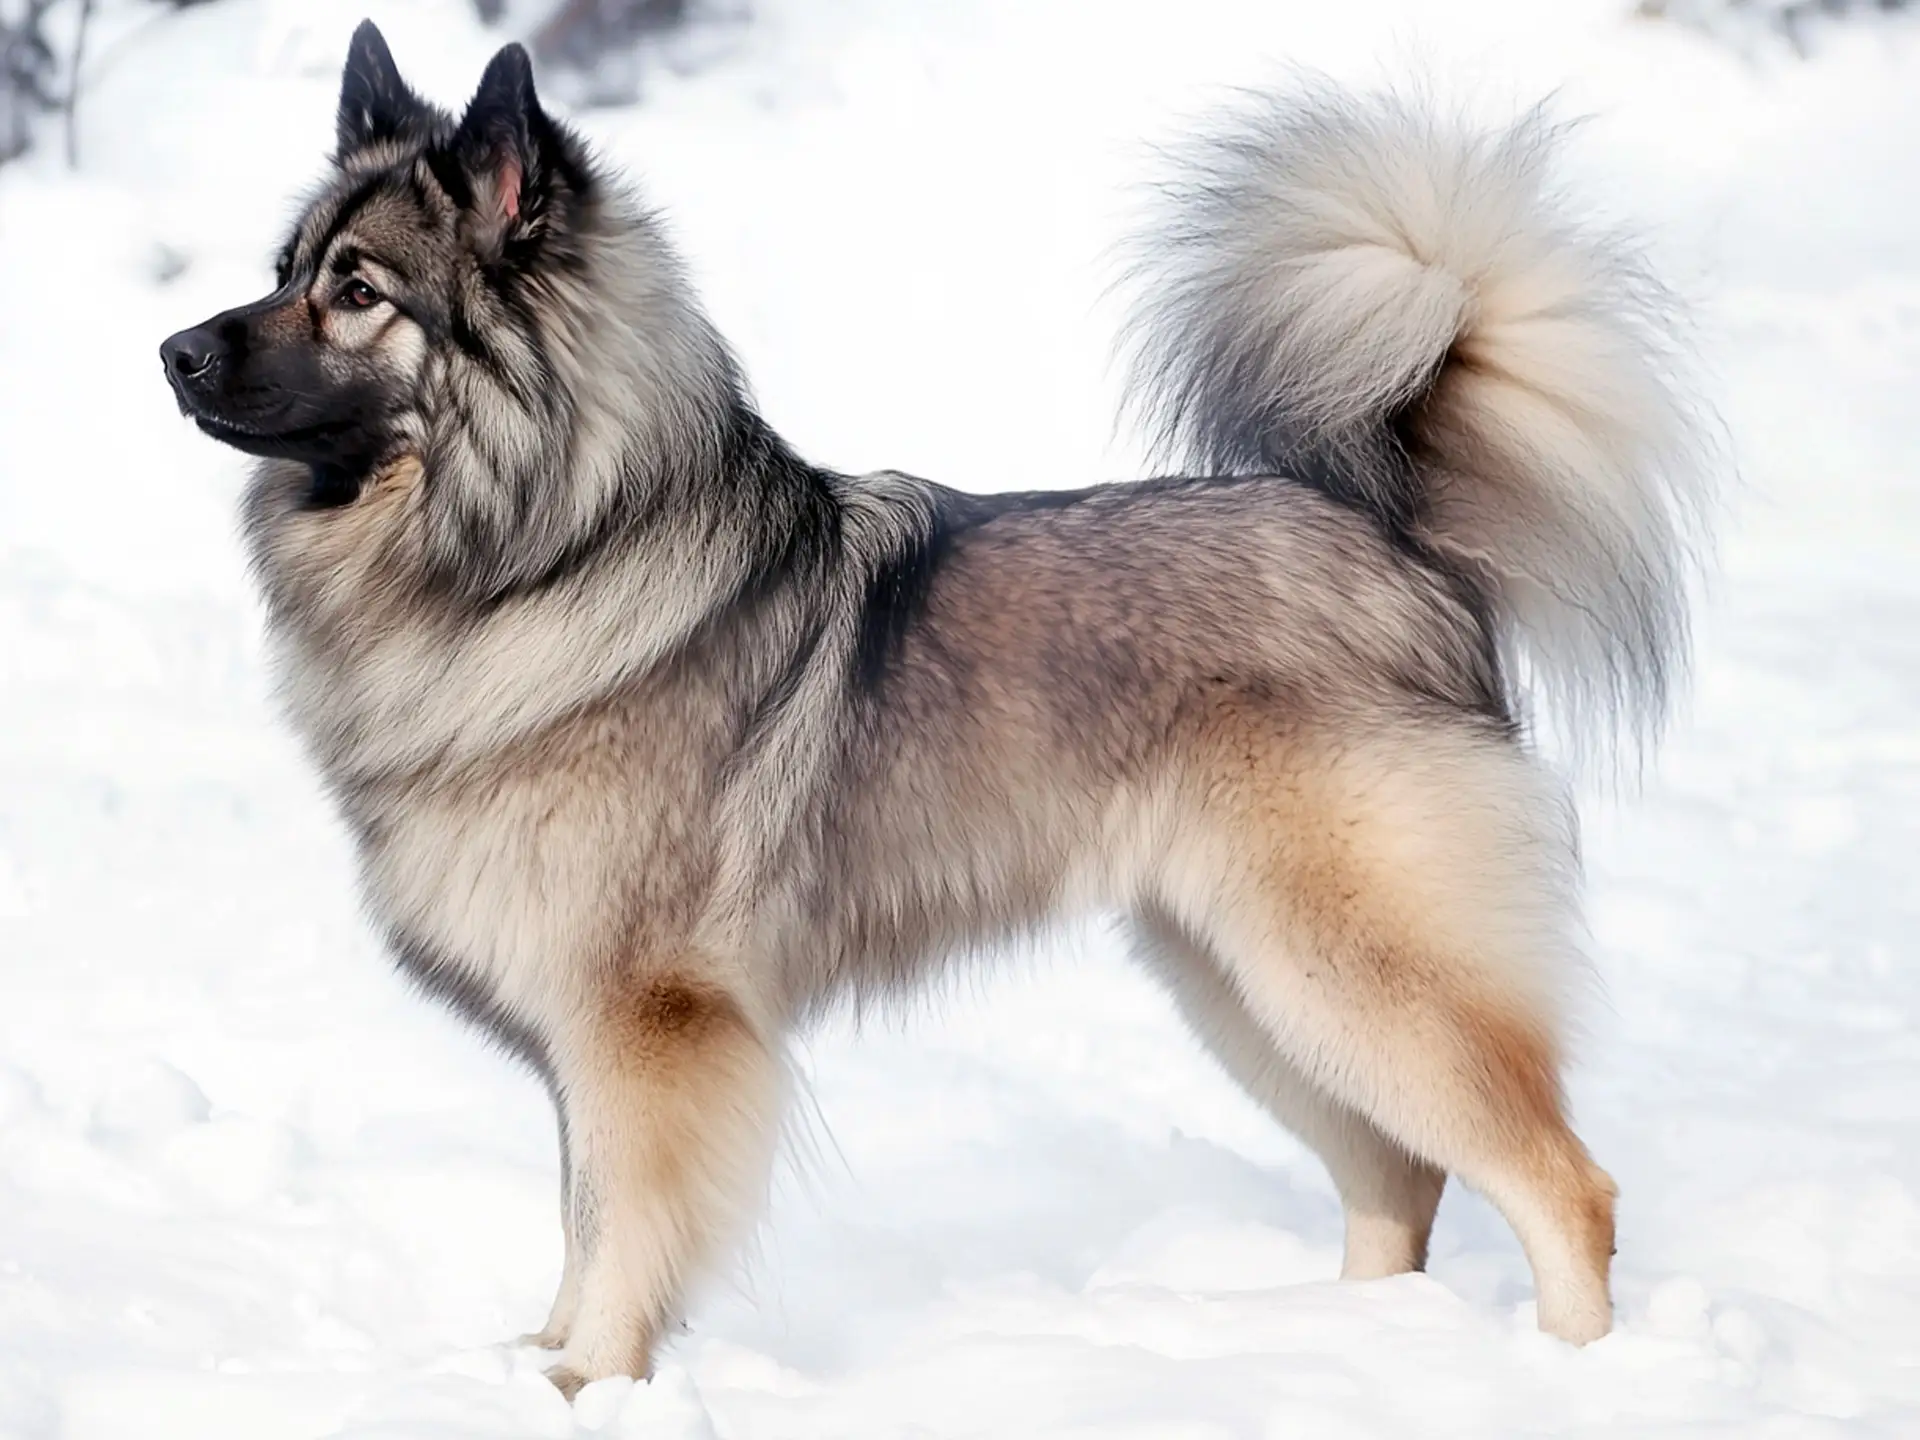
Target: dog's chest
x: 523, y: 883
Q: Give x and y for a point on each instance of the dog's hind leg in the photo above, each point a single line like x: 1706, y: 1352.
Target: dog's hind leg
x: 672, y: 1093
x: 1389, y: 1195
x: 1393, y: 898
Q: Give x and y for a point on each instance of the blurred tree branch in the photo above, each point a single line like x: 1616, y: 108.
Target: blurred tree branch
x: 28, y: 69
x: 579, y: 31
x: 35, y: 80
x: 1793, y: 19
x: 71, y: 102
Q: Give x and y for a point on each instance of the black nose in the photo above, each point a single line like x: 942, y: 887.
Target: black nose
x: 191, y: 353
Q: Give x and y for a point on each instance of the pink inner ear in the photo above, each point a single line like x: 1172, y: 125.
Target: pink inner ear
x: 509, y: 180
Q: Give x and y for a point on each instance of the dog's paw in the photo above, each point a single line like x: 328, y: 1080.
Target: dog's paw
x: 547, y: 1339
x: 567, y: 1380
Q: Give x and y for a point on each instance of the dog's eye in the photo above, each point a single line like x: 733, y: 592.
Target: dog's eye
x: 358, y: 295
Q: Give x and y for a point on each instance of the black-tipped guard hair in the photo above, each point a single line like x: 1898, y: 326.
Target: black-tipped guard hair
x: 375, y: 103
x: 509, y: 151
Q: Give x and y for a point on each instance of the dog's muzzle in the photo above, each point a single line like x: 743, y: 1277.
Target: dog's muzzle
x: 193, y: 359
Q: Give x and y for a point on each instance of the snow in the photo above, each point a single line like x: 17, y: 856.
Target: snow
x: 251, y: 1187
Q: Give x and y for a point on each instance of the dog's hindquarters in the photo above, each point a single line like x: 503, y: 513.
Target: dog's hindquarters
x: 1389, y: 1194
x: 1376, y: 301
x: 1280, y: 743
x: 1370, y: 923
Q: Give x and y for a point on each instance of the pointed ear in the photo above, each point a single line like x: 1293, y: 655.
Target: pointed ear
x: 375, y: 103
x: 505, y: 146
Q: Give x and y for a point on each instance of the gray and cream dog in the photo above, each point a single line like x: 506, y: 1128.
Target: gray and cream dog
x: 658, y: 740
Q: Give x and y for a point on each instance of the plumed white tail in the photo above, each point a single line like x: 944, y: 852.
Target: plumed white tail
x: 1388, y: 304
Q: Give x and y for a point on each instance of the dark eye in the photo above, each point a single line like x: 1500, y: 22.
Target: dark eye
x: 357, y: 295
x: 283, y: 267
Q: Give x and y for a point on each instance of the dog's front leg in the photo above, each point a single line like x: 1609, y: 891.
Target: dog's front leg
x: 671, y: 1091
x: 553, y: 1335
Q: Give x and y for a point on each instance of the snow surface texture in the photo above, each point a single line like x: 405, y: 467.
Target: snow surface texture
x: 251, y: 1189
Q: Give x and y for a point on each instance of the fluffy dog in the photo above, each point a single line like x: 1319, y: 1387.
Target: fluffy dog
x: 657, y: 740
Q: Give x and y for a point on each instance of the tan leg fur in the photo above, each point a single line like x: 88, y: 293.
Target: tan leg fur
x: 1394, y: 908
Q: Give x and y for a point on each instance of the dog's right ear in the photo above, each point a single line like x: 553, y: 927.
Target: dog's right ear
x: 375, y: 103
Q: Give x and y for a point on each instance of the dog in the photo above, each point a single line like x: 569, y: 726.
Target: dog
x: 657, y: 741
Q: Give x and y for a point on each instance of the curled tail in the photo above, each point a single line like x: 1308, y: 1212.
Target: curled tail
x: 1390, y: 306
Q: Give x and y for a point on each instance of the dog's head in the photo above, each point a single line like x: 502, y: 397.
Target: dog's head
x: 424, y: 219
x: 473, y: 293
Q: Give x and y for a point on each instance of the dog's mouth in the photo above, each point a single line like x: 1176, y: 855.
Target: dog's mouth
x: 338, y: 437
x: 225, y: 429
x: 254, y: 438
x: 220, y: 427
x: 333, y: 486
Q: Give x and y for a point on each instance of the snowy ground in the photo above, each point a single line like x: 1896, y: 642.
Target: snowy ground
x: 250, y: 1189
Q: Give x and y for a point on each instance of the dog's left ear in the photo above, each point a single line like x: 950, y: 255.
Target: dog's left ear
x: 375, y: 103
x: 508, y: 150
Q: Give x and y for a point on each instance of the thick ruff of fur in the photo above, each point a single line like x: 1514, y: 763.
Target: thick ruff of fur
x: 657, y: 740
